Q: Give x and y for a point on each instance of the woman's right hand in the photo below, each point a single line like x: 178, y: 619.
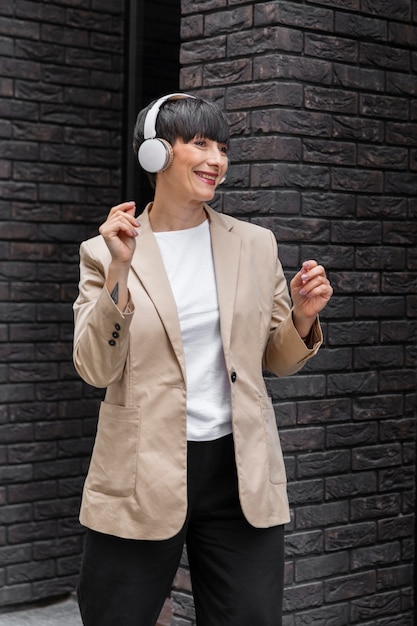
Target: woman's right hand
x: 119, y: 231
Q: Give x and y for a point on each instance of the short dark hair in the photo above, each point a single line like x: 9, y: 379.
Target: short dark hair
x: 184, y: 118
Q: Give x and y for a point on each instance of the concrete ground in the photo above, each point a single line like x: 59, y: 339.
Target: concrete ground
x: 63, y: 613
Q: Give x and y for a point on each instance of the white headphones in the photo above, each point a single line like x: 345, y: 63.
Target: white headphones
x: 155, y: 154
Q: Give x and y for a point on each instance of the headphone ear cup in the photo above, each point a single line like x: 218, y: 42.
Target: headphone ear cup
x: 155, y: 155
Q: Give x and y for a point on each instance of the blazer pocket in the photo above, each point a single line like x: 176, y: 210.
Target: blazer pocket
x: 114, y: 459
x: 275, y: 458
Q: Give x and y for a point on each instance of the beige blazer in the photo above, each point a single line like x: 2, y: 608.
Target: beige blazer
x: 137, y: 481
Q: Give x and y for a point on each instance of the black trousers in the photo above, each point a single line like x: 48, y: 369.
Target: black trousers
x: 236, y: 569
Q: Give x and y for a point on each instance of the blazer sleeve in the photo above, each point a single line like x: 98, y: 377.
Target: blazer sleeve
x: 101, y: 331
x: 285, y: 352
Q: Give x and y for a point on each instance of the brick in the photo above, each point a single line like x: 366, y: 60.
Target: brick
x: 303, y: 544
x: 15, y: 554
x: 322, y: 566
x: 31, y: 491
x: 265, y: 40
x: 267, y: 148
x: 295, y: 68
x: 357, y: 26
x: 376, y: 456
x: 381, y: 307
x: 66, y: 546
x: 384, y: 106
x: 28, y: 572
x: 302, y: 439
x: 293, y: 15
x: 353, y: 333
x: 363, y: 181
x: 350, y: 77
x: 18, y: 513
x: 400, y: 576
x: 198, y: 6
x: 399, y: 233
x: 288, y: 175
x: 203, y: 50
x: 237, y: 19
x: 380, y: 206
x: 377, y: 407
x: 382, y: 157
x: 322, y: 463
x: 373, y: 507
x: 350, y: 536
x: 384, y: 56
x: 320, y: 411
x: 396, y: 479
x: 19, y: 28
x: 401, y: 34
x: 305, y: 491
x: 328, y: 205
x: 377, y: 605
x: 346, y: 587
x: 401, y: 84
x: 302, y: 596
x: 21, y: 533
x: 397, y: 430
x: 397, y: 527
x: 398, y: 380
x: 352, y: 383
x: 54, y: 587
x: 334, y: 48
x: 401, y: 10
x: 351, y: 434
x: 294, y: 122
x: 321, y: 515
x: 256, y: 94
x: 12, y: 595
x: 333, y: 615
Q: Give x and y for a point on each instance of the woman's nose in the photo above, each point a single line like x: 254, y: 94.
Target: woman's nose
x: 216, y: 155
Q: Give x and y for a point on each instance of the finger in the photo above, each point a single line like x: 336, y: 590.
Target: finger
x: 124, y: 207
x: 114, y: 227
x: 308, y: 265
x: 310, y: 285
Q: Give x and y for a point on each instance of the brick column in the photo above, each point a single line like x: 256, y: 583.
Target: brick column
x: 61, y: 89
x: 321, y: 97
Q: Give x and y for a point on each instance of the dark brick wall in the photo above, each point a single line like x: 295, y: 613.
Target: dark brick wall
x: 61, y: 97
x: 322, y: 101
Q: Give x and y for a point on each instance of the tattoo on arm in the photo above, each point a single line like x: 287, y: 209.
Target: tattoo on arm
x: 115, y: 294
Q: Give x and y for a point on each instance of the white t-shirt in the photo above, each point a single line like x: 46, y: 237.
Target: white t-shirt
x: 188, y: 260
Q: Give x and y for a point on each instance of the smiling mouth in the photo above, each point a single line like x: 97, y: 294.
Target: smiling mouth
x: 210, y: 179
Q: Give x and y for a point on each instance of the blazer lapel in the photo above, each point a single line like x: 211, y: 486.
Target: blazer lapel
x: 226, y: 254
x: 148, y: 265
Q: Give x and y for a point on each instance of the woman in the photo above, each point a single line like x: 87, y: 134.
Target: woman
x: 178, y: 313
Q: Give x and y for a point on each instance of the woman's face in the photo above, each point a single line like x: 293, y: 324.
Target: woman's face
x: 197, y: 169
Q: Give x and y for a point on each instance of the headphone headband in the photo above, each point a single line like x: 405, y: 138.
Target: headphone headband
x: 155, y: 154
x: 149, y: 130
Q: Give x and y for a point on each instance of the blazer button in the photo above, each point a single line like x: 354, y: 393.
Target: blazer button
x: 233, y: 377
x: 112, y: 342
x: 117, y: 326
x: 115, y: 335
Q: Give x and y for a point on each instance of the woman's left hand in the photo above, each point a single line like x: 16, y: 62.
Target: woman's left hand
x: 310, y: 292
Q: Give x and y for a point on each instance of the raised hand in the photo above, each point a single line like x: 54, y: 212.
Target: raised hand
x: 310, y: 292
x: 120, y: 231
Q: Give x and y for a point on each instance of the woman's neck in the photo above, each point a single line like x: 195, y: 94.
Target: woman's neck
x: 168, y: 216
